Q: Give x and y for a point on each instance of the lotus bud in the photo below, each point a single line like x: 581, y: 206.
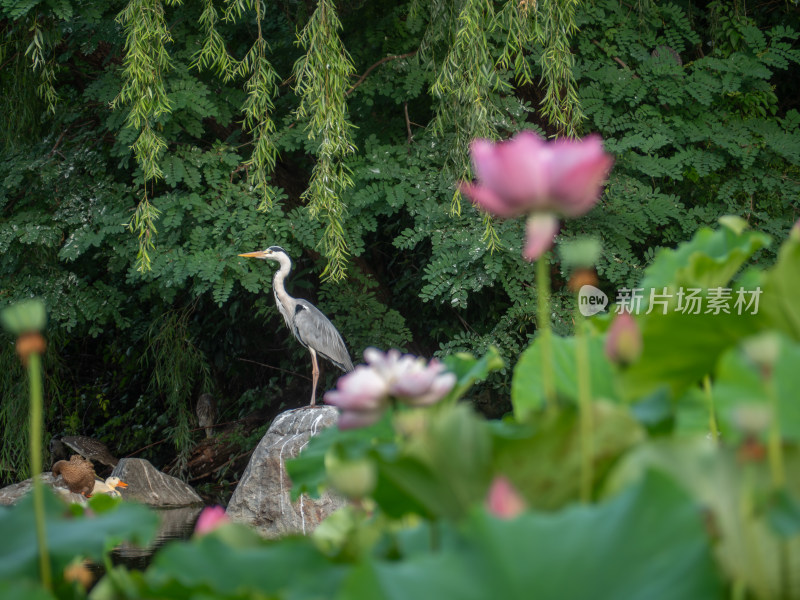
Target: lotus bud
x: 503, y: 500
x: 353, y: 478
x: 752, y: 419
x: 624, y: 340
x: 211, y: 518
x: 763, y: 351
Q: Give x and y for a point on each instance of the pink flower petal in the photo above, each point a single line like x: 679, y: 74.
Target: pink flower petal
x: 361, y: 389
x: 438, y: 389
x: 503, y: 500
x: 210, y: 518
x: 580, y: 172
x: 486, y: 199
x: 352, y: 419
x: 517, y: 170
x: 540, y: 231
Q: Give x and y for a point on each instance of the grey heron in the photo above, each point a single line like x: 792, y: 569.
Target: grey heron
x: 306, y: 322
x: 89, y: 448
x: 206, y: 410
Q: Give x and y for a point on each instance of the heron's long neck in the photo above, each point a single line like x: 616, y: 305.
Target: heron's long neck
x: 277, y: 283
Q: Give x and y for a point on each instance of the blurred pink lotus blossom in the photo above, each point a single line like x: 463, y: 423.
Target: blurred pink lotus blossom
x: 794, y: 233
x: 528, y: 175
x: 211, y: 518
x: 503, y: 500
x: 365, y: 393
x: 624, y: 339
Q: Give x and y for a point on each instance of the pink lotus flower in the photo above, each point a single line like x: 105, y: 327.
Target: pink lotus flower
x: 365, y: 393
x: 528, y: 175
x: 623, y: 340
x: 211, y: 518
x: 503, y: 500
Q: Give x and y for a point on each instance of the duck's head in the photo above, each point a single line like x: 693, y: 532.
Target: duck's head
x: 115, y: 482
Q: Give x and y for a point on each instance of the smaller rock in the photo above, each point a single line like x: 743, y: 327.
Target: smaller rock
x: 148, y: 485
x: 12, y: 493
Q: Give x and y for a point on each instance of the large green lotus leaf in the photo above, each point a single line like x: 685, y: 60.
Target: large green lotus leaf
x: 21, y: 589
x: 67, y: 535
x: 781, y: 298
x: 709, y: 260
x: 680, y: 349
x: 210, y: 567
x: 463, y: 474
x: 748, y: 547
x: 738, y: 382
x: 647, y: 543
x: 407, y: 485
x: 427, y: 576
x: 543, y: 458
x: 527, y: 393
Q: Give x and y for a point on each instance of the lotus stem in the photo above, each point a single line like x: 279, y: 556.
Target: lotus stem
x: 543, y: 323
x: 35, y: 379
x: 774, y: 448
x: 584, y: 407
x: 712, y: 419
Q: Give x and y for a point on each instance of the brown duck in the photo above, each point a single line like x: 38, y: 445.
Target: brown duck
x: 77, y: 473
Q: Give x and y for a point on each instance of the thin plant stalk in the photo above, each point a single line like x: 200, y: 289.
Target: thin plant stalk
x: 546, y: 331
x: 712, y: 419
x: 584, y: 407
x: 759, y: 584
x: 778, y: 476
x: 35, y: 379
x: 774, y: 449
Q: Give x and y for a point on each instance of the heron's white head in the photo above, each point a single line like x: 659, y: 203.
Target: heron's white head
x: 275, y: 253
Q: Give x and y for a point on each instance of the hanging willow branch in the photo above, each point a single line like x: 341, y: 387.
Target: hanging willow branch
x: 146, y: 61
x: 321, y: 77
x: 463, y: 87
x: 261, y: 87
x: 43, y: 39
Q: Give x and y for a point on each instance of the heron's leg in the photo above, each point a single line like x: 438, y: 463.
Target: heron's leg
x: 314, y: 376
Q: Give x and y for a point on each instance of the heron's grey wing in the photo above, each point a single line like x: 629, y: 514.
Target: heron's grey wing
x: 314, y: 330
x: 91, y: 448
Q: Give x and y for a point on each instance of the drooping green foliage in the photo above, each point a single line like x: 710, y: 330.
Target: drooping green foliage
x: 339, y: 131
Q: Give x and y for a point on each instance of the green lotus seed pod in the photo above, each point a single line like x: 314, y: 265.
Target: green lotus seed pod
x: 24, y: 317
x: 581, y: 253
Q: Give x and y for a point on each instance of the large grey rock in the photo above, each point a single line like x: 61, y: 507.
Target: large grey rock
x: 11, y: 493
x: 262, y: 498
x: 150, y: 486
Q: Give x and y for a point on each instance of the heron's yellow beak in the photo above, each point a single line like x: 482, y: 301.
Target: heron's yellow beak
x: 257, y: 254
